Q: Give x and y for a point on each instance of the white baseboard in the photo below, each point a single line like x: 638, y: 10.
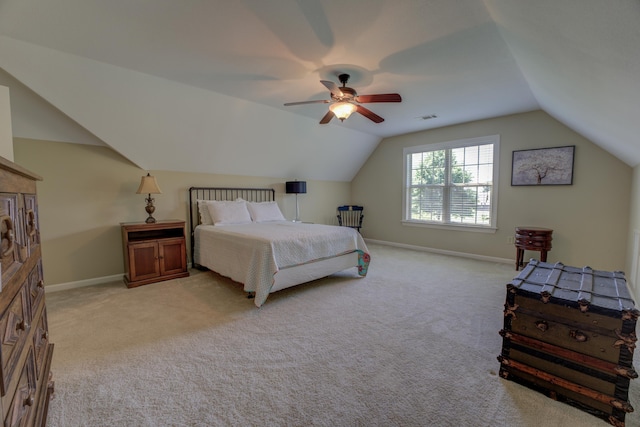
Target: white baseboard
x: 87, y: 282
x: 443, y: 252
x: 82, y: 283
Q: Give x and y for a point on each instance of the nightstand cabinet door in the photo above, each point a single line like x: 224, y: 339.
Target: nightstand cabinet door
x: 144, y: 259
x: 173, y: 256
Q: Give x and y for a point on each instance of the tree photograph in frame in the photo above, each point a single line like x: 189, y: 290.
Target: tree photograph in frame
x: 543, y: 166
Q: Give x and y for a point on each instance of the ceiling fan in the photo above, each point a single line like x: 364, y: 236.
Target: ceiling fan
x: 345, y: 100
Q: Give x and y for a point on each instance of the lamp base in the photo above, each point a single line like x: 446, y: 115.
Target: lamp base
x: 297, y: 218
x: 150, y: 209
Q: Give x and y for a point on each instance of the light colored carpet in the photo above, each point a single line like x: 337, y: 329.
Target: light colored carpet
x: 412, y: 344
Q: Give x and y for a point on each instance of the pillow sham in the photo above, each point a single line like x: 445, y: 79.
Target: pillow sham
x: 265, y: 211
x: 228, y: 212
x: 203, y: 209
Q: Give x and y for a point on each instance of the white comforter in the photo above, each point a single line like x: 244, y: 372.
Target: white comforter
x: 253, y: 253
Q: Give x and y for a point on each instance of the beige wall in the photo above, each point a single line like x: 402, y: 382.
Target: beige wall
x: 6, y: 134
x: 590, y: 218
x: 88, y: 191
x: 633, y: 247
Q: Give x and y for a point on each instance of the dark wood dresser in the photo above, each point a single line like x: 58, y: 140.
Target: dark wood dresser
x: 25, y: 353
x: 570, y: 333
x: 153, y: 252
x: 532, y: 239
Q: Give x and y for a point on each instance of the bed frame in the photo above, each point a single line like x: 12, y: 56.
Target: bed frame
x: 286, y: 277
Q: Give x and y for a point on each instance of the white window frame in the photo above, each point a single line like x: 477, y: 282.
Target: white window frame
x: 406, y: 186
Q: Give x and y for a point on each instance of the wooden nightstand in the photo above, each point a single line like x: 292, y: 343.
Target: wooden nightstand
x: 532, y: 239
x: 153, y: 252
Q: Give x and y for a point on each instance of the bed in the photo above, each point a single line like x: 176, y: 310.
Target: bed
x: 241, y: 234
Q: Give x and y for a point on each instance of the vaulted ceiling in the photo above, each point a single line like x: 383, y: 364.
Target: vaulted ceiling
x: 200, y: 85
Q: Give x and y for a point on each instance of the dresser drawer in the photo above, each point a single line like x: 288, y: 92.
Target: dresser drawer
x: 18, y: 405
x: 31, y: 227
x: 41, y: 342
x: 533, y: 243
x: 14, y: 327
x: 533, y: 234
x: 10, y: 236
x: 35, y: 287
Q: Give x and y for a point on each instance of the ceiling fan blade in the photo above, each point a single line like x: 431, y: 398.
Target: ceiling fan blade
x: 333, y: 88
x: 382, y: 97
x: 369, y: 114
x: 327, y: 117
x: 319, y: 101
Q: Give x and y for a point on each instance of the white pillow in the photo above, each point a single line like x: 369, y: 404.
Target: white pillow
x: 229, y: 212
x: 203, y: 209
x: 265, y: 211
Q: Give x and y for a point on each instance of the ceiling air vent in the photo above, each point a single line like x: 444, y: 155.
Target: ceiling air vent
x: 427, y: 117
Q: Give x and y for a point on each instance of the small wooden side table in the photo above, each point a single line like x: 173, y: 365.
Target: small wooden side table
x: 532, y: 239
x: 153, y: 252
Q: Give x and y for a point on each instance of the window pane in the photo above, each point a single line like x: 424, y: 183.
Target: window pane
x: 426, y: 204
x: 457, y: 175
x: 428, y: 168
x: 485, y: 154
x: 485, y: 174
x: 471, y: 155
x: 471, y: 174
x: 457, y: 156
x: 463, y: 204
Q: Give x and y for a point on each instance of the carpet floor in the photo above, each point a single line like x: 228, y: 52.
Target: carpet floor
x: 412, y: 344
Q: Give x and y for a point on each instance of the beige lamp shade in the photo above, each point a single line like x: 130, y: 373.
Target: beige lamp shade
x: 148, y: 185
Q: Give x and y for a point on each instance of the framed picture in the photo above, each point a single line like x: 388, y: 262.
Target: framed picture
x: 543, y: 166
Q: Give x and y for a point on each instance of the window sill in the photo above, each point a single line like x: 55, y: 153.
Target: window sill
x: 452, y: 227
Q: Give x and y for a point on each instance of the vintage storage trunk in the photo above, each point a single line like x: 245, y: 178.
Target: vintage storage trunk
x: 570, y: 333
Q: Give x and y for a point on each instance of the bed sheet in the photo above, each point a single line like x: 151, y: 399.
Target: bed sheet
x: 253, y: 253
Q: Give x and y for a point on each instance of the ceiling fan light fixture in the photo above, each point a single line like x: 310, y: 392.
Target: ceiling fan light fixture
x: 342, y: 110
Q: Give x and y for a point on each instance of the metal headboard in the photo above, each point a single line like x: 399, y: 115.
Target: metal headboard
x: 223, y: 193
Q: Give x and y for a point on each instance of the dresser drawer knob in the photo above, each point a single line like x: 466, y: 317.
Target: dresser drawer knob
x: 31, y: 223
x: 45, y: 335
x: 28, y: 401
x: 23, y: 325
x: 577, y: 335
x: 41, y: 283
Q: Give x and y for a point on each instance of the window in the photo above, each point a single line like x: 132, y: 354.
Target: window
x: 452, y: 183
